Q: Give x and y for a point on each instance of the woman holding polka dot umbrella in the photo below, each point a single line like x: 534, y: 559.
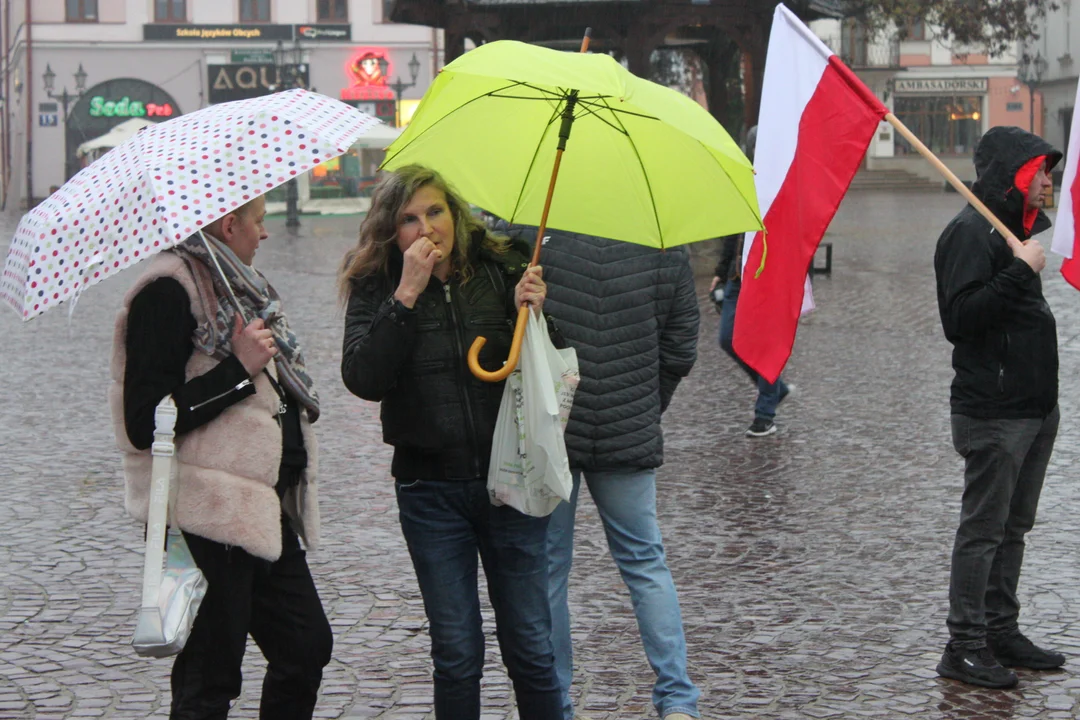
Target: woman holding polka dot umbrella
x: 203, y: 327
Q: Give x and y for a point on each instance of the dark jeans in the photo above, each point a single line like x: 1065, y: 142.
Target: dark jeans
x: 445, y: 525
x: 276, y: 602
x: 768, y: 393
x: 1005, y: 463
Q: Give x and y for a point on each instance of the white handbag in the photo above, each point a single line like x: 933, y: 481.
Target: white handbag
x: 170, y: 598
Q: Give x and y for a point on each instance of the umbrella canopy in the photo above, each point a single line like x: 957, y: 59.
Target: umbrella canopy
x: 164, y: 184
x: 644, y: 163
x: 114, y: 137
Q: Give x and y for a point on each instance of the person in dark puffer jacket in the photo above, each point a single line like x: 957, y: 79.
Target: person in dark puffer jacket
x: 632, y: 314
x: 1004, y: 402
x: 424, y: 281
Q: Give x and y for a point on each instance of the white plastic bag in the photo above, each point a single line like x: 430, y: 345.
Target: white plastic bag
x: 529, y: 470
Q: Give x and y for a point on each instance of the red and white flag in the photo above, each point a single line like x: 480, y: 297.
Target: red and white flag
x: 815, y: 123
x: 1067, y: 221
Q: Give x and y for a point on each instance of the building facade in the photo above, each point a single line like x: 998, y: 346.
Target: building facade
x: 1059, y: 31
x: 77, y: 68
x: 947, y: 95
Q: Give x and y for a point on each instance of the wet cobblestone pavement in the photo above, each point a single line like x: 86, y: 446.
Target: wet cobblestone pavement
x: 812, y: 565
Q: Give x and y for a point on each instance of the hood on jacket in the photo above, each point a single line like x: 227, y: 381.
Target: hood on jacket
x: 1001, y: 155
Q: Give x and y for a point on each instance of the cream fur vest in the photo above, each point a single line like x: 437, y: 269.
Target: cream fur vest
x: 228, y: 467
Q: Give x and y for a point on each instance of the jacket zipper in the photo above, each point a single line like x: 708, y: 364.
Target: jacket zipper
x: 239, y: 387
x: 1001, y: 365
x: 459, y: 346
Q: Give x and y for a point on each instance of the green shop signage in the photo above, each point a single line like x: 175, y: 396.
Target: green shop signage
x: 100, y: 106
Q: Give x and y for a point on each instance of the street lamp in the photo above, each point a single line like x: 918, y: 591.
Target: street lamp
x: 399, y: 87
x: 66, y: 99
x: 1030, y: 72
x: 281, y: 62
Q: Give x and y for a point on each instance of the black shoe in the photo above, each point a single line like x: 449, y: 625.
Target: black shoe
x: 1015, y: 650
x: 975, y: 667
x: 761, y: 428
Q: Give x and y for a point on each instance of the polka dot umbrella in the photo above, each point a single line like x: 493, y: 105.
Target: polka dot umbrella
x: 164, y: 184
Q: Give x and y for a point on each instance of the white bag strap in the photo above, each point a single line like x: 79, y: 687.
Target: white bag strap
x: 161, y: 500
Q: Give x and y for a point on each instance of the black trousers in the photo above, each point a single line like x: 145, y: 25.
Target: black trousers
x: 277, y: 604
x: 1005, y: 462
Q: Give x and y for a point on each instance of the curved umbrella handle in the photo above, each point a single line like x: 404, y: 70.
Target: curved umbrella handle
x: 515, y: 352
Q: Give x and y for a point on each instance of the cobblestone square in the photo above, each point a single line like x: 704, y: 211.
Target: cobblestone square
x: 812, y: 565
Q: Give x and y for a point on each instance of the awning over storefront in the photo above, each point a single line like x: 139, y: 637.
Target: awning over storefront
x: 114, y: 137
x: 379, y: 137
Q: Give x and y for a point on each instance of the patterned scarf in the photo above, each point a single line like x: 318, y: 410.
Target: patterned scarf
x: 257, y: 298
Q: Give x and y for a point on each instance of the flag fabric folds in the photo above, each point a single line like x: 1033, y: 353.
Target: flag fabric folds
x: 816, y: 121
x: 1067, y: 222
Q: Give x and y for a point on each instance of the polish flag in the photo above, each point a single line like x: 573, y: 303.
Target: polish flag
x: 816, y: 121
x: 1068, y: 215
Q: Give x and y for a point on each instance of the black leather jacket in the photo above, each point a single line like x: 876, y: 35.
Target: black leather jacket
x: 437, y: 415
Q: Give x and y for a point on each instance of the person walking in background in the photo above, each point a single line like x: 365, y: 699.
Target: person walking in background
x: 1004, y: 402
x: 246, y: 463
x: 769, y: 395
x: 632, y: 315
x: 425, y: 279
x: 728, y: 275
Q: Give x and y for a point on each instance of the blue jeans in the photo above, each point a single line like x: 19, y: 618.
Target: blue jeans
x: 627, y: 504
x: 445, y: 525
x: 768, y: 393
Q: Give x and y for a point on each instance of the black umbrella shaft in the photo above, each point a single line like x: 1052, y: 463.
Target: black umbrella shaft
x: 567, y: 119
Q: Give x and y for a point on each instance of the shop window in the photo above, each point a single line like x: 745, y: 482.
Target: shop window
x: 171, y: 11
x: 333, y: 10
x: 947, y: 125
x: 254, y: 10
x: 82, y: 11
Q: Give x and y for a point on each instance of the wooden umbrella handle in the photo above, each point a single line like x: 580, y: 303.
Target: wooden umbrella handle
x: 515, y: 352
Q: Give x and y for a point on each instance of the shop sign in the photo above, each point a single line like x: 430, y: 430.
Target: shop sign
x: 265, y: 57
x: 163, y: 31
x: 324, y: 32
x: 367, y: 71
x: 385, y: 110
x: 100, y: 106
x: 940, y: 86
x: 239, y: 82
x: 254, y: 31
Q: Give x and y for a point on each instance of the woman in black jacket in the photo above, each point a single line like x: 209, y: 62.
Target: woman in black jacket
x: 426, y: 279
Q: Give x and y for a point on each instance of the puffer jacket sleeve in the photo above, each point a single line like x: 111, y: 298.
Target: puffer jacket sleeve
x: 380, y: 333
x: 678, y: 335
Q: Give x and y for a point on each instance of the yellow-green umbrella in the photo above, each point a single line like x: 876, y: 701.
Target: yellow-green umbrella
x: 643, y: 163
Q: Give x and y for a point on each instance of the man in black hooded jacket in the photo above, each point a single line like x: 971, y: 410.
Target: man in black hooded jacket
x: 1004, y: 402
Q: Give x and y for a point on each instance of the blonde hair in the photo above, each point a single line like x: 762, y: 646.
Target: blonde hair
x: 378, y: 231
x: 214, y: 227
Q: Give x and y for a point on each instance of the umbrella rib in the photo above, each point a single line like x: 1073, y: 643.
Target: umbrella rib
x: 517, y: 203
x: 594, y: 112
x: 603, y: 99
x: 648, y: 185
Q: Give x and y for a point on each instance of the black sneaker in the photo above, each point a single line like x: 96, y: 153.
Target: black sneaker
x: 1015, y: 650
x: 975, y: 667
x: 761, y: 428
